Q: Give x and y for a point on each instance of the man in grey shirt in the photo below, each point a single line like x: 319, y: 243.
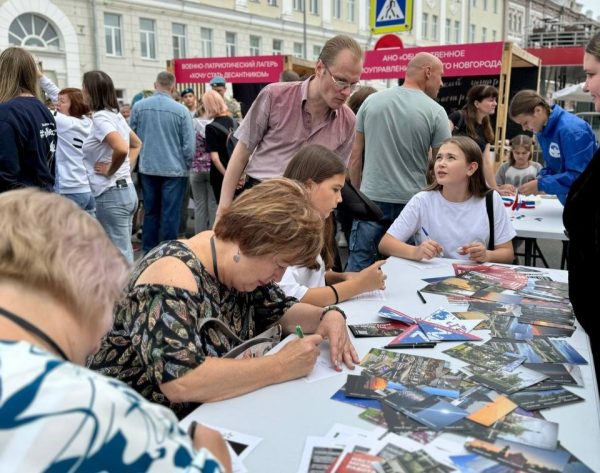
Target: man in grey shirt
x: 395, y: 128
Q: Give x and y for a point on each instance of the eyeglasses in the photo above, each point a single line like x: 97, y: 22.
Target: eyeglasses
x: 342, y: 84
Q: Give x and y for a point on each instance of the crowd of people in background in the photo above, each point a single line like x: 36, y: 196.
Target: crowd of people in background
x: 180, y: 327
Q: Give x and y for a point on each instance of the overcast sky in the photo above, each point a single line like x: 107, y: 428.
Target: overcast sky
x: 593, y: 5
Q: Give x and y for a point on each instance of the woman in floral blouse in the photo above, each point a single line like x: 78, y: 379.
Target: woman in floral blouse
x: 190, y: 304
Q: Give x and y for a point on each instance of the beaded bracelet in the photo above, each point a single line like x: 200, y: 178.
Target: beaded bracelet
x: 332, y: 307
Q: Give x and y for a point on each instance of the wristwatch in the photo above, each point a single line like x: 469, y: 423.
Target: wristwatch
x: 332, y: 307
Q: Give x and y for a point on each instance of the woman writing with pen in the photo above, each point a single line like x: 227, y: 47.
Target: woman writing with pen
x: 450, y: 218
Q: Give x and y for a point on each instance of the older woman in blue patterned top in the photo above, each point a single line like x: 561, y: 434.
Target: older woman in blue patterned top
x: 59, y: 279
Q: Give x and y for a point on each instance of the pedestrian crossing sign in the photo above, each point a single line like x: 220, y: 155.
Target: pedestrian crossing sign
x: 388, y: 16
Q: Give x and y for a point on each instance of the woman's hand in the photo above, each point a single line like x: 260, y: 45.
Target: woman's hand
x: 212, y: 440
x: 529, y: 188
x: 333, y: 327
x: 372, y: 277
x: 102, y: 168
x: 476, y: 251
x: 299, y: 356
x: 427, y: 250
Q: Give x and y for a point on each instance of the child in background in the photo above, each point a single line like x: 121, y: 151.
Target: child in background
x: 519, y: 169
x: 322, y: 172
x: 449, y: 218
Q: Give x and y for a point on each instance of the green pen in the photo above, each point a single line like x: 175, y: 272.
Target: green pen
x: 299, y: 331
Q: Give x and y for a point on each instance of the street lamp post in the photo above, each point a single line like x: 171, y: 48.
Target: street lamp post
x: 304, y: 28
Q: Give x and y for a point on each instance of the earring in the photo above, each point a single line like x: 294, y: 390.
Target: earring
x: 237, y: 257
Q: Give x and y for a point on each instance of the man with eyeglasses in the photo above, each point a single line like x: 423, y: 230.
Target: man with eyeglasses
x: 396, y: 129
x: 288, y: 115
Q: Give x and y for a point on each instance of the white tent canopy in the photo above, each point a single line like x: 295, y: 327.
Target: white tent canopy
x: 574, y: 93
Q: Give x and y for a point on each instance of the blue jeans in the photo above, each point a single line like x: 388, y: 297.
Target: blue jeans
x: 114, y: 210
x: 162, y: 208
x: 365, y: 237
x: 85, y: 200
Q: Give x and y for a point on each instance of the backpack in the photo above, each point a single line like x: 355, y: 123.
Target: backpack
x: 231, y: 141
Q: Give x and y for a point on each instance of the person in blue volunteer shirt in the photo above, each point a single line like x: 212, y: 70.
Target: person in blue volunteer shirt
x: 567, y: 142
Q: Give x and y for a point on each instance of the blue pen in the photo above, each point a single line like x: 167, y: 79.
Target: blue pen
x: 427, y: 235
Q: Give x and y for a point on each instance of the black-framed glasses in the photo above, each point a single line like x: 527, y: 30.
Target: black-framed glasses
x: 342, y: 84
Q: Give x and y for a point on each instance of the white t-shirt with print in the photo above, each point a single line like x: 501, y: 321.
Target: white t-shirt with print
x: 451, y: 224
x: 96, y: 149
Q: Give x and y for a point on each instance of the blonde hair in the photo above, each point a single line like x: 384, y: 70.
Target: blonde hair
x: 49, y: 244
x: 214, y: 103
x: 274, y: 217
x: 18, y: 74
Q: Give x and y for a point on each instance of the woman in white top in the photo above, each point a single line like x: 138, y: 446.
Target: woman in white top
x: 72, y: 128
x: 323, y: 174
x: 450, y: 218
x: 107, y: 153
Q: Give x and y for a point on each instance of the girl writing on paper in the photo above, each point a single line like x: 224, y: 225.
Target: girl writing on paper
x: 568, y: 143
x: 449, y: 218
x: 323, y: 174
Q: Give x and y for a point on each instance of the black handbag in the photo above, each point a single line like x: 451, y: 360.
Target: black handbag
x: 357, y: 205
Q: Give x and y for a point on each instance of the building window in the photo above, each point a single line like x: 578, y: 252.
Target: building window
x: 112, y: 34
x: 434, y: 27
x: 457, y: 31
x: 485, y: 4
x: 494, y: 33
x: 230, y: 42
x: 483, y: 34
x: 424, y: 23
x: 179, y: 49
x: 316, y: 52
x: 272, y: 3
x: 299, y: 50
x: 277, y: 46
x: 33, y: 31
x: 314, y: 7
x: 298, y: 5
x: 337, y: 9
x: 448, y: 28
x: 351, y: 9
x: 495, y: 6
x: 206, y: 42
x: 472, y: 34
x: 474, y: 3
x: 147, y: 38
x: 255, y: 45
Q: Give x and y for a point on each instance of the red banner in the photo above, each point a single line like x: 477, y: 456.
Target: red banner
x: 238, y: 70
x: 480, y: 59
x: 559, y: 56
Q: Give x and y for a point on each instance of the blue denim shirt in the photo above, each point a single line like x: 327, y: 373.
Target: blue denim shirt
x: 167, y: 133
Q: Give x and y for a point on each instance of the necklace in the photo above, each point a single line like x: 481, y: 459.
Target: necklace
x: 32, y: 329
x: 213, y: 251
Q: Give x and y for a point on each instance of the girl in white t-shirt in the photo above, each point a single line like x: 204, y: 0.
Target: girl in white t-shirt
x: 450, y: 218
x: 519, y: 168
x: 323, y: 174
